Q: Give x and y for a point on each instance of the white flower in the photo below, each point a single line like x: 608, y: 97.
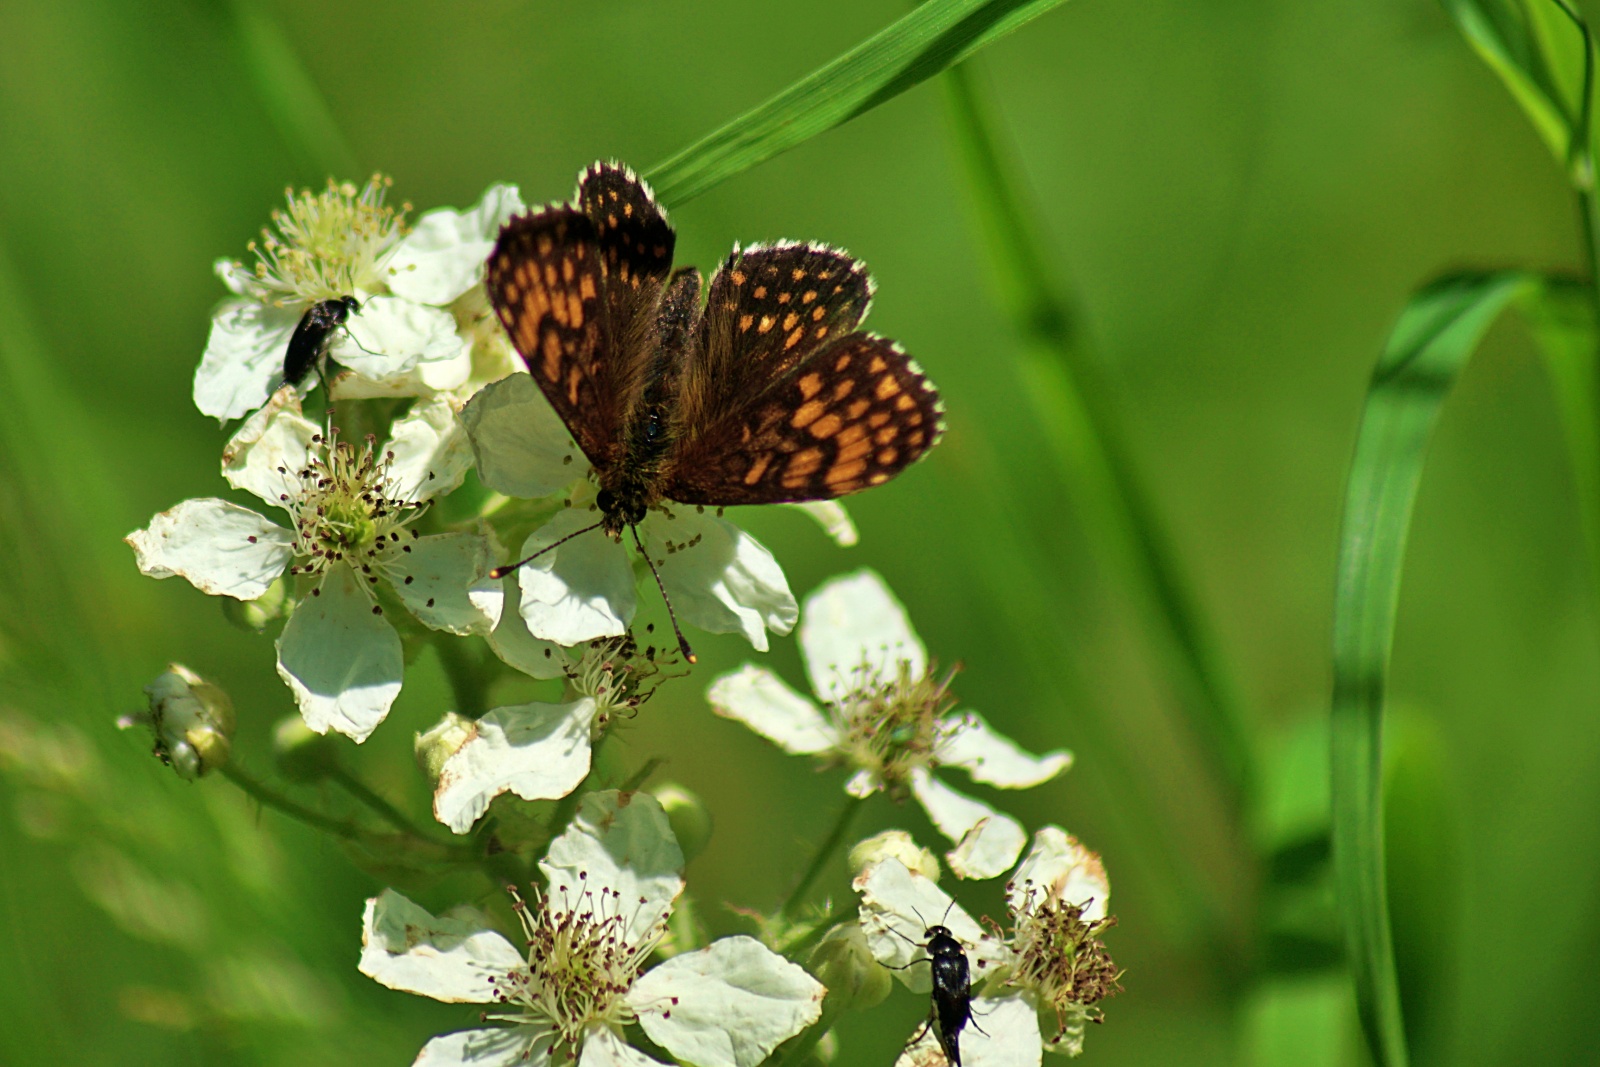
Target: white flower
x: 885, y: 715
x: 1048, y: 972
x: 542, y: 751
x: 718, y: 577
x: 612, y: 879
x: 404, y: 341
x: 349, y: 514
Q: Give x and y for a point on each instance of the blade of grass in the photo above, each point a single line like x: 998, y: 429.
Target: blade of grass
x: 1076, y: 408
x: 924, y: 42
x: 1540, y: 49
x: 1431, y: 342
x: 289, y: 94
x: 1562, y: 322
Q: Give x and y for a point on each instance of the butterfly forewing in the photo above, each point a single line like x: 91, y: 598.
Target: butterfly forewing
x: 544, y: 279
x: 850, y: 416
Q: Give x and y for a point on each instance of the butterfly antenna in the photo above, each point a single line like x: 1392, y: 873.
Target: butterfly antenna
x: 683, y: 642
x: 501, y: 572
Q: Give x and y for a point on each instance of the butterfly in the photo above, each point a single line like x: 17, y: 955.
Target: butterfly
x: 764, y: 392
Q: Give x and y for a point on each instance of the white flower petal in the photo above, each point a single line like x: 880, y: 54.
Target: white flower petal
x: 405, y: 947
x: 240, y: 279
x: 863, y: 784
x: 727, y: 1005
x: 1003, y: 1032
x: 537, y: 751
x: 833, y: 518
x: 854, y: 623
x: 443, y: 255
x: 603, y: 1048
x: 765, y: 703
x: 389, y: 336
x: 898, y: 906
x: 222, y: 548
x: 516, y: 1046
x: 243, y: 357
x: 987, y: 841
x: 620, y: 842
x: 719, y: 577
x: 523, y: 449
x: 510, y: 638
x: 1058, y: 866
x: 579, y: 591
x: 437, y: 577
x: 268, y: 462
x: 342, y: 661
x: 994, y: 759
x: 432, y: 452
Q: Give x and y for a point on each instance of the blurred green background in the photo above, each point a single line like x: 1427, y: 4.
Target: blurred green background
x: 1240, y: 194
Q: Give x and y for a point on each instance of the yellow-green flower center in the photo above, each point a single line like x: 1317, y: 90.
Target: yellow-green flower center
x: 348, y: 509
x: 330, y: 244
x: 580, y: 967
x: 893, y: 727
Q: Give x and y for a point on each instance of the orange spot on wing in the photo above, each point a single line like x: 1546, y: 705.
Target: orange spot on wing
x: 858, y: 409
x: 759, y: 292
x: 758, y: 468
x: 806, y: 414
x: 810, y: 385
x: 552, y: 356
x: 887, y: 387
x: 792, y: 340
x: 826, y: 426
x: 842, y: 363
x: 877, y: 366
x: 766, y: 324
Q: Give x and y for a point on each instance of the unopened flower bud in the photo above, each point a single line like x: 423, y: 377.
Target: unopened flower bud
x: 688, y: 816
x: 844, y: 963
x: 192, y: 721
x: 894, y: 844
x: 302, y: 754
x: 253, y: 615
x: 444, y: 740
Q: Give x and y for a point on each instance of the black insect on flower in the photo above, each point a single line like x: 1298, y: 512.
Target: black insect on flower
x: 951, y: 1007
x: 308, y: 348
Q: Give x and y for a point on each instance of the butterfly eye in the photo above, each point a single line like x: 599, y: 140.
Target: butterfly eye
x: 606, y: 500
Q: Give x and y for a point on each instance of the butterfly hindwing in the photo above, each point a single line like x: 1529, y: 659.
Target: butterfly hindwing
x: 544, y: 279
x: 767, y: 309
x: 852, y: 415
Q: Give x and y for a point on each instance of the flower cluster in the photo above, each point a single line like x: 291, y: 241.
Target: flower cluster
x: 377, y: 537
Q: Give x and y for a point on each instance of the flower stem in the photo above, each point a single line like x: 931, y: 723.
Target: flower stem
x: 824, y: 853
x: 467, y: 683
x: 385, y: 810
x: 797, y: 1050
x: 273, y: 799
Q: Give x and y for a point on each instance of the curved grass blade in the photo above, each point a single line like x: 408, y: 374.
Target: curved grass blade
x: 924, y: 42
x: 1541, y: 50
x: 1435, y: 336
x: 1075, y: 407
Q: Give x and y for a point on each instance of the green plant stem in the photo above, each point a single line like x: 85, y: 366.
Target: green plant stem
x: 843, y: 914
x: 385, y: 810
x: 825, y: 851
x: 273, y: 799
x: 802, y: 1046
x: 467, y: 684
x: 1074, y: 405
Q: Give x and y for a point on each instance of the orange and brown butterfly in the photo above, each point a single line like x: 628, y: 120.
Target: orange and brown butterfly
x: 764, y: 393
